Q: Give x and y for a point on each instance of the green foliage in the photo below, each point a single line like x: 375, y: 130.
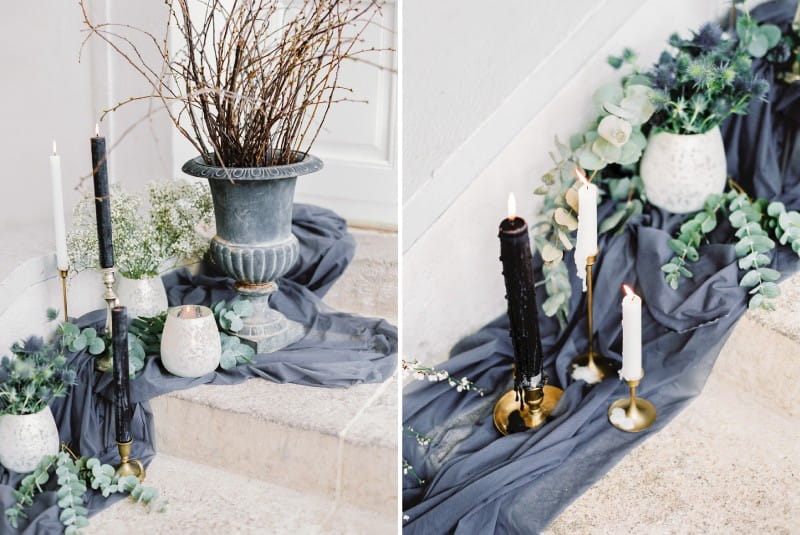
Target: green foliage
x: 36, y: 374
x: 51, y: 314
x: 615, y: 139
x: 229, y: 315
x: 709, y: 77
x: 75, y: 339
x: 229, y: 318
x: 75, y: 475
x: 148, y: 331
x: 234, y: 352
x: 759, y: 225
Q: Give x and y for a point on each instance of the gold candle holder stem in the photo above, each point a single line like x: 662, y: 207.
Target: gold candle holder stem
x: 598, y: 365
x: 632, y: 414
x: 128, y: 466
x: 64, y: 273
x: 590, y: 260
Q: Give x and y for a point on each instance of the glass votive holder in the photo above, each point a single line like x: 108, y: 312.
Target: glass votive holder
x: 190, y: 344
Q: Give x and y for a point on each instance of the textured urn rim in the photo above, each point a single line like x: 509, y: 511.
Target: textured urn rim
x: 673, y: 134
x: 37, y: 413
x: 308, y: 164
x: 204, y: 311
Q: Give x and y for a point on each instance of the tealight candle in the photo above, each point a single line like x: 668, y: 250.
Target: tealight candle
x: 190, y: 343
x: 631, y: 335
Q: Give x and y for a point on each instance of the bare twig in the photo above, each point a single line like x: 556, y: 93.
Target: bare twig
x: 254, y: 80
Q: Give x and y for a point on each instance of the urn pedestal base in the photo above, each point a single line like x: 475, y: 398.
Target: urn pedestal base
x: 267, y: 330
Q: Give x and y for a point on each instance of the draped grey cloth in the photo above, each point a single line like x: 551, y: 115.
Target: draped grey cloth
x: 477, y: 481
x: 339, y: 350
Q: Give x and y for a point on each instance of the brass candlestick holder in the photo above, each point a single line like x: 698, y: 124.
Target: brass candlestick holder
x: 63, y: 273
x: 600, y: 366
x: 103, y: 363
x: 637, y: 414
x: 128, y: 466
x: 531, y: 411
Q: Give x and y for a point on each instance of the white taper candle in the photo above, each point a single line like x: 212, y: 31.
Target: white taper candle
x: 631, y: 335
x: 586, y: 243
x: 62, y: 259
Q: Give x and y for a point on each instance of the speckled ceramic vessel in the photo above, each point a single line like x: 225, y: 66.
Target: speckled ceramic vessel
x: 680, y: 171
x: 26, y: 438
x: 190, y: 344
x: 254, y: 242
x: 143, y: 297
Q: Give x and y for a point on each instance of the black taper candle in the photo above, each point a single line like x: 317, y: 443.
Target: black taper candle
x: 122, y: 394
x: 515, y: 254
x: 102, y: 201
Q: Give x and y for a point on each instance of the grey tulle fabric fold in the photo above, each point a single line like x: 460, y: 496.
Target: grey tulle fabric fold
x: 339, y: 350
x: 477, y: 481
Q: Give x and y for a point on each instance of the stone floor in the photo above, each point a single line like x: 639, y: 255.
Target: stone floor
x: 730, y: 462
x: 204, y: 500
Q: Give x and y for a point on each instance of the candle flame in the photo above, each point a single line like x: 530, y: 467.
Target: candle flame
x: 54, y: 147
x: 628, y: 290
x: 581, y: 176
x: 512, y: 206
x: 97, y: 129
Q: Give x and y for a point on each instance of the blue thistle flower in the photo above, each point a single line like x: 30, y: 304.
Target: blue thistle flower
x: 707, y: 37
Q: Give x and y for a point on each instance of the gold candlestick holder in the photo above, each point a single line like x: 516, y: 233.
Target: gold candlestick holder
x: 599, y: 365
x: 637, y: 413
x: 128, y: 466
x: 64, y: 273
x: 532, y: 410
x: 103, y: 363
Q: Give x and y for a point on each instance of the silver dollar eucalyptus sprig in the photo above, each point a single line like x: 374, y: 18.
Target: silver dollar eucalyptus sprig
x: 610, y: 148
x: 75, y: 475
x: 759, y: 225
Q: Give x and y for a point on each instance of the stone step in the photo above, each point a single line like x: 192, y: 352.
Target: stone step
x: 762, y: 356
x: 330, y: 442
x: 369, y: 286
x: 205, y: 500
x: 729, y: 462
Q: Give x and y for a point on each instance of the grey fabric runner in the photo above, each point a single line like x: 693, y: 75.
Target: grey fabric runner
x: 340, y: 350
x: 477, y: 481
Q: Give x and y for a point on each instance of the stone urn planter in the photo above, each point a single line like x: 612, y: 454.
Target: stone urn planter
x: 26, y: 438
x: 144, y: 297
x: 254, y: 243
x: 679, y: 170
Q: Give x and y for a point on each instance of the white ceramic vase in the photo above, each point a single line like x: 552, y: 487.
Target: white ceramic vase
x: 26, y: 438
x: 143, y: 297
x: 679, y: 170
x: 190, y: 344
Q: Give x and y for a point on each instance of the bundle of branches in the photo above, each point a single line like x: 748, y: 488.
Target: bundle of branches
x: 254, y: 80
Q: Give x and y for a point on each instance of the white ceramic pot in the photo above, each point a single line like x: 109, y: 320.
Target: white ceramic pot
x: 143, y: 297
x: 679, y: 171
x: 190, y: 344
x: 26, y: 438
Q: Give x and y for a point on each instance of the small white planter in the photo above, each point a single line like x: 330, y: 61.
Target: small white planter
x: 143, y: 297
x: 679, y: 171
x: 190, y: 344
x: 26, y: 438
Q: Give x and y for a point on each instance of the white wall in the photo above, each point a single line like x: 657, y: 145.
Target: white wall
x: 47, y: 94
x: 452, y: 281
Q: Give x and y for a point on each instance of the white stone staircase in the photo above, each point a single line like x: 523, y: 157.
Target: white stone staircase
x: 261, y: 457
x: 257, y: 457
x: 730, y: 462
